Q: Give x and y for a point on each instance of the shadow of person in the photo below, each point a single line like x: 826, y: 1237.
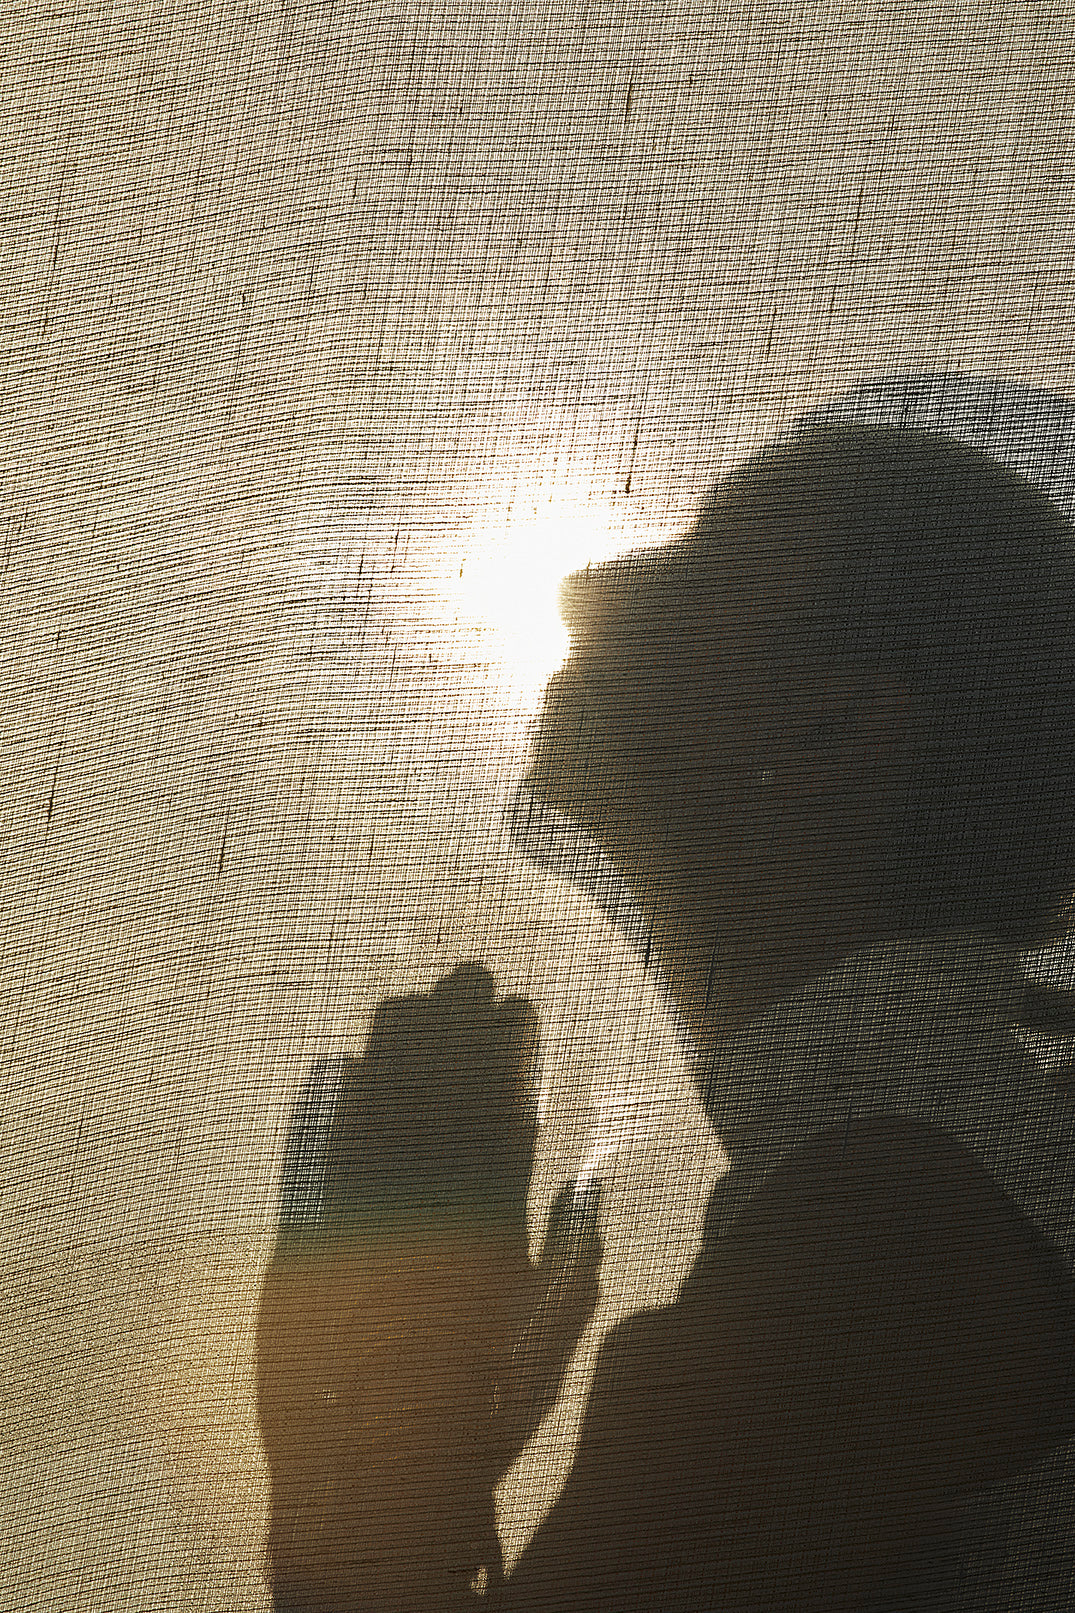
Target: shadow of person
x: 826, y: 742
x: 833, y: 722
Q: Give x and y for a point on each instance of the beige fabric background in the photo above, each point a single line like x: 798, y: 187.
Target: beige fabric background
x: 301, y: 304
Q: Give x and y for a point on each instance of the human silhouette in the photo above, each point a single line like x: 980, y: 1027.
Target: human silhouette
x: 825, y: 739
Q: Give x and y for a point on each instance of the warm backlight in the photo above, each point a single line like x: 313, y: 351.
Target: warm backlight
x: 503, y: 600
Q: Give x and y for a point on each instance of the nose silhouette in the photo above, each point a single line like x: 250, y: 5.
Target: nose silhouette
x: 577, y: 599
x: 606, y: 601
x: 634, y: 614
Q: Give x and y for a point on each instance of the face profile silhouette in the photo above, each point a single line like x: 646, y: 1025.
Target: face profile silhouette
x: 837, y: 709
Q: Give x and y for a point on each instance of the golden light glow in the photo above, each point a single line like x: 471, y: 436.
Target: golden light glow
x: 503, y: 600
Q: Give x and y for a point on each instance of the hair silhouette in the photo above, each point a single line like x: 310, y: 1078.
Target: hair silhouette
x: 956, y: 575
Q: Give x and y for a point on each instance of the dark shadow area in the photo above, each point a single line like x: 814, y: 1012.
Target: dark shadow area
x: 825, y: 741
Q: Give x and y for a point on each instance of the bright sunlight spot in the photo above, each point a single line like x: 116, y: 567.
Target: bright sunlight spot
x: 503, y: 600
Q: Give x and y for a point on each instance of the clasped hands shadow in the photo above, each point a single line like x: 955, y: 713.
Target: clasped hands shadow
x: 407, y: 1347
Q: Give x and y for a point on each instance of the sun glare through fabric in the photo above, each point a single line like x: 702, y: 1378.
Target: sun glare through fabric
x: 502, y: 600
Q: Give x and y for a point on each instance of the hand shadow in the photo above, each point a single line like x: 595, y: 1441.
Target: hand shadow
x: 407, y: 1348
